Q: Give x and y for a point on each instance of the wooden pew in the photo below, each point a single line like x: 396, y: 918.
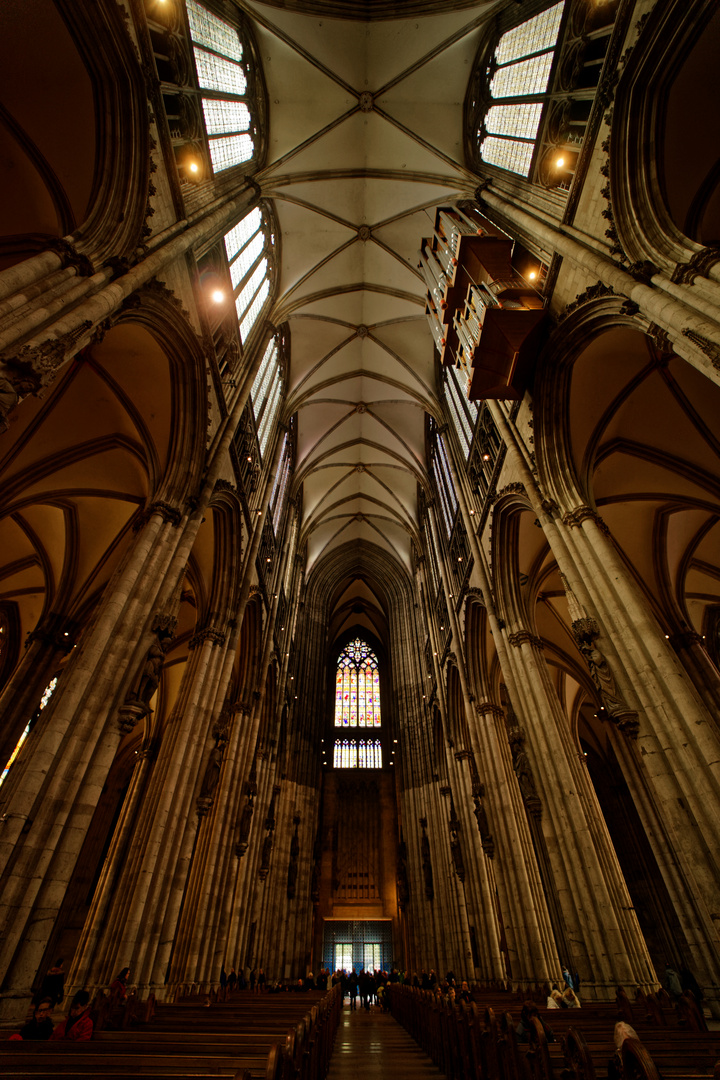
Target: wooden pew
x: 191, y: 1040
x: 487, y: 1046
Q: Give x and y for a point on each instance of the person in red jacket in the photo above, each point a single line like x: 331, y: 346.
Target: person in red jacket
x: 118, y: 987
x: 77, y: 1025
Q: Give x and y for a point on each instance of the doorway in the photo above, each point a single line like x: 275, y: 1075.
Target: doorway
x: 358, y: 944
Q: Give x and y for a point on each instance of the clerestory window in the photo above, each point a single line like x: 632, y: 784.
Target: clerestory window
x: 222, y: 71
x: 47, y: 694
x: 443, y: 481
x: 280, y: 485
x: 518, y: 76
x: 357, y: 705
x: 249, y: 252
x: 266, y: 394
x: 464, y: 413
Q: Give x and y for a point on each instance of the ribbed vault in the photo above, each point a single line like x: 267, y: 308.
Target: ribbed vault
x: 365, y: 140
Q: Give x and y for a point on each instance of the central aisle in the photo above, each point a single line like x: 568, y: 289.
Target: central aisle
x: 374, y: 1046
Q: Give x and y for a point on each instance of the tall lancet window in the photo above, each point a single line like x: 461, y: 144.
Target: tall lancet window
x: 222, y: 72
x: 519, y: 75
x: 357, y: 705
x: 249, y: 252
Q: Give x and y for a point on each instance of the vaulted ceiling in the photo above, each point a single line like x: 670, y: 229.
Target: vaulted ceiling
x: 365, y: 140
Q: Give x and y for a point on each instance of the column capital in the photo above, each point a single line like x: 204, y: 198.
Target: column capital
x: 524, y: 637
x: 575, y: 518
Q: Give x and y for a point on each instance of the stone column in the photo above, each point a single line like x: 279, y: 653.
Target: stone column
x: 128, y: 928
x: 597, y: 910
x: 528, y: 930
x: 483, y: 905
x: 54, y: 789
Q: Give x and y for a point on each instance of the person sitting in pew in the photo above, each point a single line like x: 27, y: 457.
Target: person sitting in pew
x: 554, y: 1000
x: 78, y: 1024
x: 39, y: 1027
x: 118, y: 987
x: 570, y: 1000
x: 526, y: 1030
x: 53, y: 985
x: 622, y: 1032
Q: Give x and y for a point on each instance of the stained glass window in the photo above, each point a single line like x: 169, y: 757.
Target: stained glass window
x: 248, y: 246
x: 357, y: 705
x: 522, y: 63
x: 357, y: 754
x: 357, y: 687
x: 221, y: 71
x: 459, y: 411
x: 266, y: 394
x: 47, y: 694
x: 277, y: 498
x: 443, y: 483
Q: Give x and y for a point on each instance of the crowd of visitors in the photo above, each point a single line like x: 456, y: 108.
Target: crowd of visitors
x: 78, y: 1024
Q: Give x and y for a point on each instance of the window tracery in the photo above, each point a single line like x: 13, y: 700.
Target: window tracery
x: 47, y: 694
x: 463, y: 411
x: 357, y: 705
x: 279, y: 491
x: 222, y: 74
x: 443, y: 481
x: 248, y: 247
x: 520, y: 67
x: 532, y: 96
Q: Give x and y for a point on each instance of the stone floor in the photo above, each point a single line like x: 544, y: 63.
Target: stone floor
x: 373, y: 1046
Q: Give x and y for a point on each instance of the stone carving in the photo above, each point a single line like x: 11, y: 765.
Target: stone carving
x: 208, y: 633
x: 426, y: 861
x: 698, y: 266
x: 71, y: 256
x: 524, y: 773
x: 586, y: 631
x: 455, y: 849
x: 211, y: 778
x: 265, y: 856
x: 524, y: 637
x: 152, y: 669
x: 137, y: 701
x: 401, y: 876
x: 709, y: 348
x: 34, y: 367
x: 244, y: 826
x: 269, y: 840
x: 316, y: 871
x: 293, y: 864
x: 366, y: 101
x: 478, y: 793
x: 643, y: 271
x: 515, y: 488
x: 575, y: 518
x: 594, y: 292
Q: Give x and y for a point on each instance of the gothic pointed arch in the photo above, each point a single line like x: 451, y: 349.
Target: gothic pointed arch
x: 664, y: 171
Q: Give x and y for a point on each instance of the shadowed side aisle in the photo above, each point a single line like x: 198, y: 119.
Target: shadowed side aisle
x: 374, y: 1046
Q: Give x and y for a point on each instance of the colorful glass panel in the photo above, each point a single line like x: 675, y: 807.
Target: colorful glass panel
x: 357, y: 697
x: 47, y: 694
